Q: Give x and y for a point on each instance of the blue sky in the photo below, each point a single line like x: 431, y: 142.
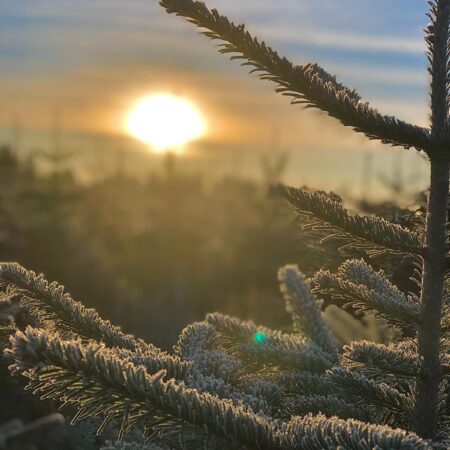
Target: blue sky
x: 90, y: 59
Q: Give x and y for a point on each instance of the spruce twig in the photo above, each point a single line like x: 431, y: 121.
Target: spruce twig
x: 330, y: 406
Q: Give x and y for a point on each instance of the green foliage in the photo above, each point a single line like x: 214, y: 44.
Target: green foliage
x: 373, y: 392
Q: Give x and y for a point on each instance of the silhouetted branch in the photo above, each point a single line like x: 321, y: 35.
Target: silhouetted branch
x: 308, y: 84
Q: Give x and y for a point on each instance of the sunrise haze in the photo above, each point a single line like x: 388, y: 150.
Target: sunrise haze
x: 81, y: 66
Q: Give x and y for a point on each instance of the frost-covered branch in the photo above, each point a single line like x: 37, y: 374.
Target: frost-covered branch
x: 330, y: 406
x: 394, y: 359
x: 310, y: 432
x: 389, y: 304
x: 50, y: 302
x: 96, y: 381
x: 373, y: 235
x: 304, y: 308
x: 52, y: 305
x: 377, y: 394
x: 92, y: 378
x: 263, y: 347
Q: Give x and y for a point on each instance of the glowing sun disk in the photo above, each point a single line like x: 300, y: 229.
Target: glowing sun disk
x: 164, y: 121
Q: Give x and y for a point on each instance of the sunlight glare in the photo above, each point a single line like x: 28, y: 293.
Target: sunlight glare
x: 165, y: 121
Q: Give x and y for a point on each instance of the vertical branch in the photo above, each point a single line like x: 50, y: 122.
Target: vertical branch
x: 437, y: 38
x: 425, y: 415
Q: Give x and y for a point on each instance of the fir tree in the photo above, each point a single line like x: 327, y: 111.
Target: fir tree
x: 234, y: 384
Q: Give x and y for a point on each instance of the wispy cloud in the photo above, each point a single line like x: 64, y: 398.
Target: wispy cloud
x: 344, y: 41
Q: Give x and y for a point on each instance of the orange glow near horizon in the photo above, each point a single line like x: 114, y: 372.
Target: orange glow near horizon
x: 165, y: 122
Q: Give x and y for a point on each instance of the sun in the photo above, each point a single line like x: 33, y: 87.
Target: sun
x: 164, y: 121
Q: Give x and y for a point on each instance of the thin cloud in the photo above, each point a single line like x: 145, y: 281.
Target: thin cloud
x: 386, y: 75
x: 344, y: 41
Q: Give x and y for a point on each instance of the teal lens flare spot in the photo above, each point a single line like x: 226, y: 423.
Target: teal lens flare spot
x: 260, y: 337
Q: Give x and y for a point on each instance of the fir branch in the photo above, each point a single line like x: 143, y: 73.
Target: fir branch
x: 359, y: 272
x: 217, y: 363
x: 373, y: 235
x: 174, y: 366
x: 217, y: 372
x: 269, y: 355
x: 304, y: 308
x: 330, y: 406
x: 309, y: 432
x: 262, y: 388
x: 51, y: 303
x: 397, y: 310
x: 306, y: 383
x: 48, y: 302
x: 97, y: 382
x: 200, y: 343
x: 394, y: 359
x: 308, y: 84
x: 197, y: 336
x: 257, y: 401
x: 262, y: 347
x: 377, y: 394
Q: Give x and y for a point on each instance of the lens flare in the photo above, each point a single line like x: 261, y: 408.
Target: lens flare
x: 260, y: 337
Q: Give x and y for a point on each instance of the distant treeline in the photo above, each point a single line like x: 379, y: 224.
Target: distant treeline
x: 157, y: 254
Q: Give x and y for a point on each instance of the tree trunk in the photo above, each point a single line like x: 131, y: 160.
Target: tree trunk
x: 425, y: 415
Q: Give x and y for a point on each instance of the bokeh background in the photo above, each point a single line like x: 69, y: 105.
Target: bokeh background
x: 153, y: 243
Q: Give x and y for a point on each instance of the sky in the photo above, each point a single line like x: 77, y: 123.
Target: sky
x: 87, y: 62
